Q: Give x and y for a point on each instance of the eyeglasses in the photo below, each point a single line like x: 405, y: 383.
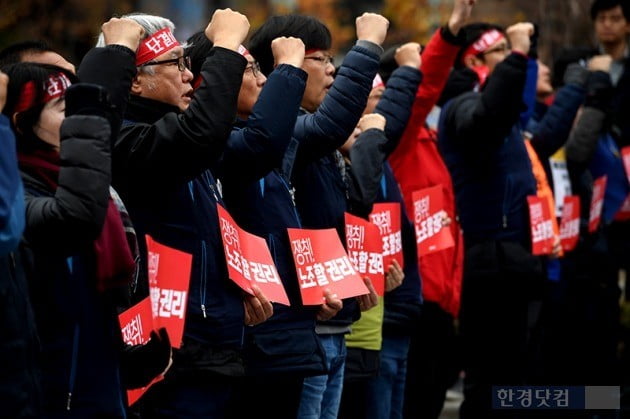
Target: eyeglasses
x: 503, y: 49
x: 182, y: 62
x: 254, y: 67
x: 324, y: 59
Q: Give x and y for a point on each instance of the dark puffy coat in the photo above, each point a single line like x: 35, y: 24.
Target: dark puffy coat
x: 483, y: 148
x: 77, y: 325
x: 161, y: 168
x: 256, y: 169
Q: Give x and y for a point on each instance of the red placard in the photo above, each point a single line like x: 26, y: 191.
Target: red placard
x: 597, y: 203
x: 169, y: 278
x: 248, y: 259
x: 625, y: 155
x: 428, y: 221
x: 365, y: 250
x: 136, y: 324
x: 570, y: 223
x: 541, y: 225
x: 322, y: 263
x: 386, y: 216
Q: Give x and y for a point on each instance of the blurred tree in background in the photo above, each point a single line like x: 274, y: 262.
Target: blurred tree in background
x: 71, y: 26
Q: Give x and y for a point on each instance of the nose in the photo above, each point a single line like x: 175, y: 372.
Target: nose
x: 261, y: 79
x: 330, y: 69
x: 187, y: 76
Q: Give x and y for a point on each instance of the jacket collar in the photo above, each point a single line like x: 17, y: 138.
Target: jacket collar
x: 142, y: 109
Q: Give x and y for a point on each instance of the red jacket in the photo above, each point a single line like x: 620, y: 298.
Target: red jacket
x: 417, y: 164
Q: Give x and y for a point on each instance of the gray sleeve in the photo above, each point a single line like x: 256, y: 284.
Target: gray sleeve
x: 583, y: 138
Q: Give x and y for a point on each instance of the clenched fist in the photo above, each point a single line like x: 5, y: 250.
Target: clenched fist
x: 126, y: 32
x: 519, y: 36
x: 288, y: 50
x: 371, y: 120
x: 408, y: 54
x: 372, y: 27
x: 227, y: 29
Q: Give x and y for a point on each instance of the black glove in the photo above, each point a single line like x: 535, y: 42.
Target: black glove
x: 88, y: 99
x: 139, y: 364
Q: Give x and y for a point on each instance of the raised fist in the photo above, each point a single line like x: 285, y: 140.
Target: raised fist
x: 126, y: 32
x: 600, y: 63
x: 408, y: 54
x: 371, y: 120
x: 372, y: 27
x: 288, y: 50
x: 519, y: 36
x: 227, y: 29
x: 461, y: 12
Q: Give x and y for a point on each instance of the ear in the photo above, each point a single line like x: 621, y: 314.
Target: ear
x: 137, y: 84
x: 14, y: 121
x: 472, y: 61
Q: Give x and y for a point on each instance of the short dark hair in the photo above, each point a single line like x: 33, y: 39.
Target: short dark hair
x: 470, y: 34
x: 14, y: 52
x: 20, y: 74
x: 603, y: 5
x: 198, y: 51
x: 311, y: 31
x: 388, y: 63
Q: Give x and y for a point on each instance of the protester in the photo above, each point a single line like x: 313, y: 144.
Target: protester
x: 492, y: 176
x: 167, y: 126
x: 325, y: 124
x: 280, y: 352
x: 66, y: 177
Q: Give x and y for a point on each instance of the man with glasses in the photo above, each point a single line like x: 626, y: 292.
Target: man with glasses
x: 483, y: 148
x: 161, y: 166
x: 331, y: 108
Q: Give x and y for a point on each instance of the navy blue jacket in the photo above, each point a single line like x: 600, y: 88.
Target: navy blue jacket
x: 320, y: 189
x: 77, y: 325
x: 19, y: 381
x: 11, y: 191
x: 161, y: 168
x: 255, y: 173
x: 483, y: 148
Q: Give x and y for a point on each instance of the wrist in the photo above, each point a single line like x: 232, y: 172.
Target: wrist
x: 454, y: 25
x: 520, y: 51
x: 227, y: 44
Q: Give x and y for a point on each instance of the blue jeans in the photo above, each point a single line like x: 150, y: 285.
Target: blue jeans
x: 321, y: 394
x: 387, y: 389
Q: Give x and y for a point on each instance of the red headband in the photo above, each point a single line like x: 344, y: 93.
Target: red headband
x: 155, y: 45
x: 54, y: 87
x: 485, y: 41
x: 243, y: 51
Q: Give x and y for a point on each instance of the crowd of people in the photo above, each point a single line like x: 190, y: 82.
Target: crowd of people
x: 148, y: 136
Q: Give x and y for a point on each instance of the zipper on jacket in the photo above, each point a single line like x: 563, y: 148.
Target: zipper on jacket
x: 73, y: 366
x: 213, y: 186
x: 506, y: 196
x: 291, y: 191
x: 204, y: 280
x: 202, y: 286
